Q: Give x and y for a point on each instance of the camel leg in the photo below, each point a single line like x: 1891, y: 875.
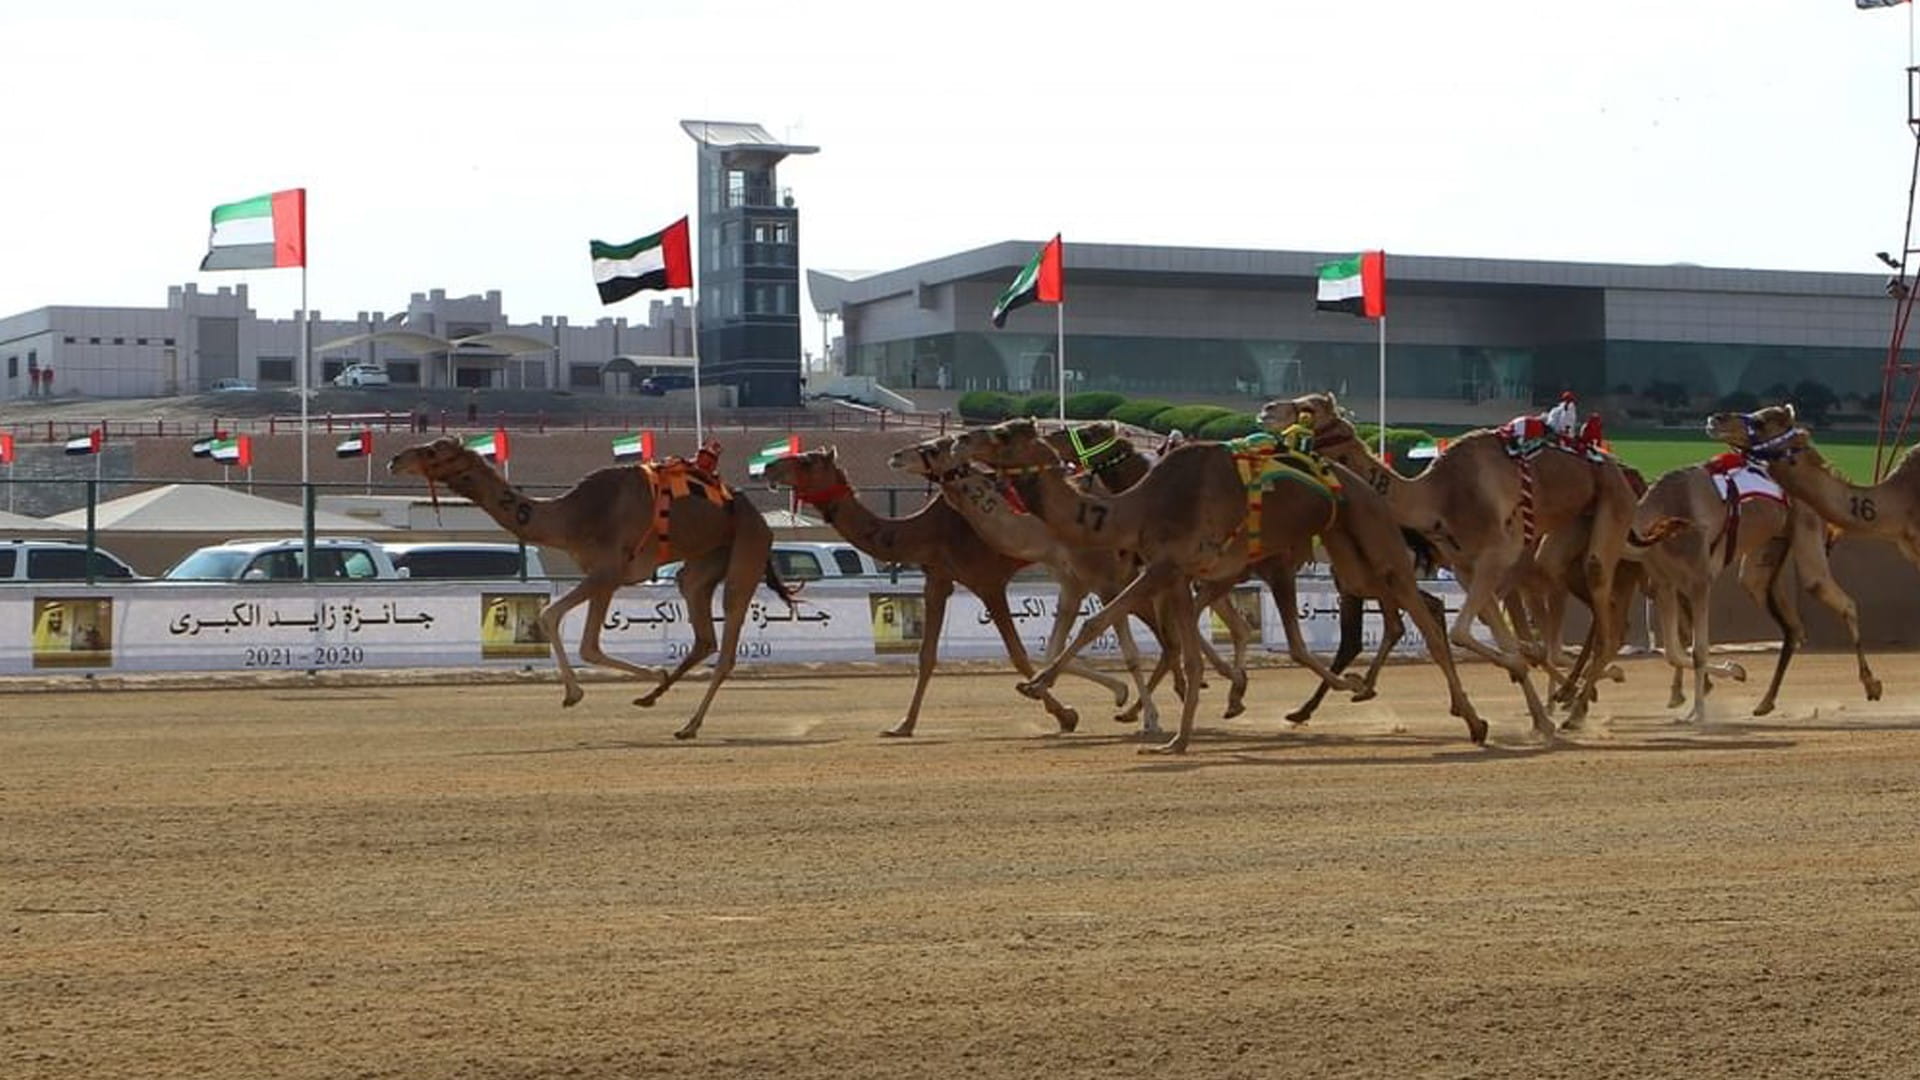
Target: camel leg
x: 1150, y: 582
x: 596, y: 588
x: 1186, y: 621
x: 1764, y: 575
x: 590, y: 650
x: 1392, y: 629
x: 1428, y: 614
x: 698, y: 581
x: 1242, y: 635
x: 1066, y: 608
x: 1143, y: 704
x: 934, y: 595
x: 1352, y: 625
x: 1506, y: 649
x: 1667, y: 601
x: 995, y: 601
x: 1816, y: 573
x: 1280, y: 579
x: 1608, y: 533
x: 745, y: 564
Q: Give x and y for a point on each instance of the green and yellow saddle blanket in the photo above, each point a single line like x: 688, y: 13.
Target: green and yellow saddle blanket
x: 1264, y: 461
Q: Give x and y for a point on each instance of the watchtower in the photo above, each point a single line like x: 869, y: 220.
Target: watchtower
x: 748, y: 272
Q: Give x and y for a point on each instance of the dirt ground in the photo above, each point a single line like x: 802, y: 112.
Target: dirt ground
x: 467, y: 881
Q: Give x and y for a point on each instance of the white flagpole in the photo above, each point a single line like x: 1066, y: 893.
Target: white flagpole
x: 99, y: 453
x: 306, y: 329
x: 368, y: 454
x: 1383, y: 386
x: 1060, y: 353
x: 699, y: 429
x: 10, y: 486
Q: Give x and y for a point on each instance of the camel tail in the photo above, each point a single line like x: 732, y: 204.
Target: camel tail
x: 1425, y: 558
x: 779, y: 587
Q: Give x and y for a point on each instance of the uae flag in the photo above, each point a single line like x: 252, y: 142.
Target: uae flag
x: 492, y: 446
x: 6, y: 448
x: 632, y: 448
x: 1357, y: 286
x: 235, y: 451
x: 263, y: 232
x: 203, y: 448
x: 773, y: 451
x: 1042, y: 281
x: 1865, y: 4
x: 358, y: 444
x: 85, y: 444
x: 660, y: 261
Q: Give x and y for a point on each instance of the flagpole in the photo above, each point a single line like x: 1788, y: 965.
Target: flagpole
x: 306, y: 330
x: 1060, y: 353
x: 699, y: 430
x: 368, y: 454
x: 1383, y: 386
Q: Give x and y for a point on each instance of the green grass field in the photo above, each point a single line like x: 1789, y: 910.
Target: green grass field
x: 1654, y: 455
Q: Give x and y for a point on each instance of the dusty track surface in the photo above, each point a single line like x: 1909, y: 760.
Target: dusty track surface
x: 467, y: 881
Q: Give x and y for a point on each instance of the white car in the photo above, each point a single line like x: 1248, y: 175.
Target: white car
x: 58, y: 560
x: 811, y: 560
x: 335, y: 558
x: 357, y: 375
x: 468, y: 560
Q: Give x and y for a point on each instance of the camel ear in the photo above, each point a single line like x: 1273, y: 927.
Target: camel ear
x: 1792, y: 416
x: 833, y: 453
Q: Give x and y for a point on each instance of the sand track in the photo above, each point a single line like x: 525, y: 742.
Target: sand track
x: 410, y: 881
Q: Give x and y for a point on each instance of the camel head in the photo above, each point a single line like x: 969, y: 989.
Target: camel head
x: 1770, y: 431
x: 932, y: 458
x: 439, y: 460
x: 1322, y: 410
x: 811, y: 473
x: 1091, y: 446
x: 1010, y: 444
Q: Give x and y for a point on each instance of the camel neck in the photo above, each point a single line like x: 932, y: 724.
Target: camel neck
x: 1806, y: 475
x: 520, y: 514
x: 1008, y: 529
x: 876, y: 535
x: 1408, y: 497
x: 1079, y: 519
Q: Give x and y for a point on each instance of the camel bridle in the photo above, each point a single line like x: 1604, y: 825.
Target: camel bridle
x: 1774, y: 448
x: 821, y: 496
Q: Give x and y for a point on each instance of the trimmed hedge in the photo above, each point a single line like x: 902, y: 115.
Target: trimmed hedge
x: 987, y: 406
x: 1140, y: 412
x: 1231, y: 426
x: 1188, y: 418
x: 1093, y: 404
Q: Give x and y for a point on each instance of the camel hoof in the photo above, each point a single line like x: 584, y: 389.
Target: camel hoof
x: 1119, y: 696
x: 1615, y: 674
x: 901, y: 730
x: 1299, y: 716
x: 1233, y: 709
x: 1873, y: 689
x: 1763, y: 708
x: 572, y: 698
x: 686, y: 733
x: 1738, y: 672
x: 646, y: 701
x: 1129, y: 715
x: 1175, y: 745
x: 1067, y: 718
x: 1365, y: 693
x: 1676, y: 699
x: 1476, y: 730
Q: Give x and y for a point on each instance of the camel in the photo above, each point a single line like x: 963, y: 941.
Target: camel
x: 1188, y: 521
x: 606, y: 522
x: 1112, y: 460
x: 945, y: 547
x: 1482, y: 512
x: 1765, y: 536
x: 1078, y: 571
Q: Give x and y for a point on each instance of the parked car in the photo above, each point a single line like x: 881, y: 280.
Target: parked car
x: 357, y: 375
x: 815, y: 560
x: 335, y: 558
x: 465, y: 560
x: 228, y: 386
x: 58, y: 560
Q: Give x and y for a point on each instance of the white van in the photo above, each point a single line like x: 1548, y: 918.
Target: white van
x: 58, y: 560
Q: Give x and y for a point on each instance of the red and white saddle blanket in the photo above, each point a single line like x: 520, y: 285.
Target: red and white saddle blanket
x: 1524, y: 437
x: 1739, y: 478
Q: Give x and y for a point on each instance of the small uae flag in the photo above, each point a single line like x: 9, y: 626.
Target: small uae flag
x: 235, y: 451
x: 492, y: 446
x: 1042, y: 280
x: 661, y: 261
x: 261, y: 233
x: 773, y: 451
x: 358, y: 444
x: 636, y: 447
x: 85, y: 444
x: 203, y: 448
x: 6, y: 448
x: 1357, y: 285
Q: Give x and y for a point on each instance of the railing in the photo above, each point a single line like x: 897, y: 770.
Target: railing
x: 448, y: 420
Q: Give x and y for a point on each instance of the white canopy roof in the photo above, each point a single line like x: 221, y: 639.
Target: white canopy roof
x: 204, y: 508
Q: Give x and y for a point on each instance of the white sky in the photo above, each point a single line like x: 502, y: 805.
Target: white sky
x: 473, y: 146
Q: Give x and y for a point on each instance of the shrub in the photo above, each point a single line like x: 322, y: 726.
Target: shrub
x: 1231, y: 426
x: 1138, y: 413
x: 1187, y: 418
x: 986, y: 406
x: 1042, y: 405
x: 1093, y: 404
